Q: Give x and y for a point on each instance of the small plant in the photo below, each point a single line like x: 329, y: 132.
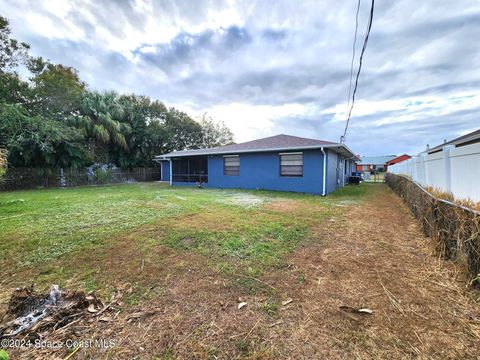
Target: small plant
x: 270, y: 308
x: 242, y: 346
x: 103, y: 176
x: 167, y: 354
x: 476, y: 281
x: 3, y: 355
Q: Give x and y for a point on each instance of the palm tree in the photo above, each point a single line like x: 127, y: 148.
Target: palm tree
x: 100, y: 116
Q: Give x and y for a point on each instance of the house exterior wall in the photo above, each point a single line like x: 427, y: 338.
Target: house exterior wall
x: 262, y: 171
x: 165, y: 170
x: 333, y: 175
x: 350, y: 168
x: 353, y: 167
x: 339, y: 169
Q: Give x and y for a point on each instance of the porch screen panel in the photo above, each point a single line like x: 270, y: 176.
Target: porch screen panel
x: 231, y: 165
x: 291, y: 164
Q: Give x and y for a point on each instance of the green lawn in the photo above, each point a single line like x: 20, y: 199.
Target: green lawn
x: 62, y: 235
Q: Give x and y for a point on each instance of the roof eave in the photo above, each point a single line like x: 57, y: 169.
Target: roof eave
x: 206, y: 152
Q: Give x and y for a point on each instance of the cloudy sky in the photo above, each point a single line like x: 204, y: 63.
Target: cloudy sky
x: 269, y: 67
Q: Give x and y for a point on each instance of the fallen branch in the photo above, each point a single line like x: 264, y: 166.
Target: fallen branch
x: 253, y: 327
x: 260, y: 281
x: 393, y: 300
x: 72, y: 353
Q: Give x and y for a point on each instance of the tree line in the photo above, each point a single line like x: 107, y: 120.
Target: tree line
x: 54, y: 119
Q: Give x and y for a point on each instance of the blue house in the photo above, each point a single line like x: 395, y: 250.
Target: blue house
x: 281, y: 162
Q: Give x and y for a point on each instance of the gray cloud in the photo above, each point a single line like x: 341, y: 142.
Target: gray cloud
x: 417, y: 86
x: 190, y: 49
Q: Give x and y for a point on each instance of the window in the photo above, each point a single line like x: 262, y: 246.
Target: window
x: 231, y: 165
x: 291, y: 164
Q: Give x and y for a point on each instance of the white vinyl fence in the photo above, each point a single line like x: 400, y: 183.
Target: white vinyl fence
x: 454, y: 170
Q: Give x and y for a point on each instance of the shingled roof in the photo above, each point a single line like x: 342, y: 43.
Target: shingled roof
x: 272, y: 143
x: 467, y: 139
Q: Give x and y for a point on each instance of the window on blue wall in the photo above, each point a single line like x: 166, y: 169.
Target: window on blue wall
x: 291, y: 164
x: 231, y: 165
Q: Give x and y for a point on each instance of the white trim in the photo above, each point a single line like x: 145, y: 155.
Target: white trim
x: 171, y: 172
x: 231, y: 156
x: 291, y: 153
x: 324, y: 183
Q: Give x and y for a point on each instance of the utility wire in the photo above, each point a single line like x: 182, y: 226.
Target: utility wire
x: 365, y: 42
x: 353, y: 54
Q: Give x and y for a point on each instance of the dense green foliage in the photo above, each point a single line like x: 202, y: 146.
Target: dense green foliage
x: 54, y: 120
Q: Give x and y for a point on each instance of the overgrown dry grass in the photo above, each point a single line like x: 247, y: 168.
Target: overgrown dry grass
x: 438, y: 193
x: 181, y: 286
x: 454, y: 229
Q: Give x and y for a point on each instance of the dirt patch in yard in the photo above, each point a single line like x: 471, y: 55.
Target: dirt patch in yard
x: 367, y: 255
x: 283, y: 205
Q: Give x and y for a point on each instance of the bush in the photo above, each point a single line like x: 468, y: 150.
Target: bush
x: 103, y: 176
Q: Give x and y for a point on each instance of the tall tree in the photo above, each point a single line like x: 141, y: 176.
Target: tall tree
x: 12, y: 51
x: 138, y: 113
x: 215, y: 133
x: 57, y: 88
x: 181, y: 131
x: 13, y: 90
x: 100, y: 117
x: 54, y: 120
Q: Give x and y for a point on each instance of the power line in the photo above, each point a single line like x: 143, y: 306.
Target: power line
x: 353, y: 54
x: 365, y: 42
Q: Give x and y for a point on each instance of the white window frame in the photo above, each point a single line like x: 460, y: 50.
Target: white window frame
x: 281, y: 166
x: 225, y: 171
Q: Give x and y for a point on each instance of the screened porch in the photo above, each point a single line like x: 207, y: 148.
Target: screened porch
x: 190, y: 169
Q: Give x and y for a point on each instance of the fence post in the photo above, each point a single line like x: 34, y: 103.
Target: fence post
x: 413, y: 167
x: 424, y: 158
x: 448, y: 167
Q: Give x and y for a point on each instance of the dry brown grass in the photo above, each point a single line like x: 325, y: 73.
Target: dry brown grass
x: 449, y: 197
x: 286, y: 205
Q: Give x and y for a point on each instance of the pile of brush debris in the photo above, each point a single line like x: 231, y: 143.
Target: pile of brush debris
x: 33, y: 314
